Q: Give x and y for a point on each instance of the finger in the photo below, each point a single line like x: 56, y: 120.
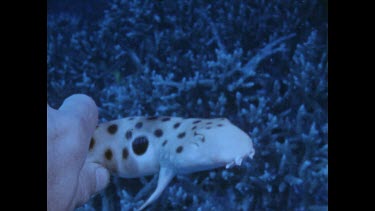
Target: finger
x: 51, y: 126
x: 93, y: 178
x: 84, y: 109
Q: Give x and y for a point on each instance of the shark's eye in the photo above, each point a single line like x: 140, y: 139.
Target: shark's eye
x: 140, y: 145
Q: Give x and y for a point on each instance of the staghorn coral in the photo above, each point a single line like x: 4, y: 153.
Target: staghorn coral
x: 263, y: 65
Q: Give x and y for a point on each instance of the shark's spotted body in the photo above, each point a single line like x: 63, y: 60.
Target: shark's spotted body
x: 140, y: 146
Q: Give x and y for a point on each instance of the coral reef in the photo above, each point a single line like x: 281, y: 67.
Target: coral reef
x: 261, y: 64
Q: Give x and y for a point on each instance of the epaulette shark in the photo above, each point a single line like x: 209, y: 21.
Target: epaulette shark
x: 139, y: 146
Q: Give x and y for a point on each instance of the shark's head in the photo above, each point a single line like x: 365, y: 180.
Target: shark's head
x: 207, y: 144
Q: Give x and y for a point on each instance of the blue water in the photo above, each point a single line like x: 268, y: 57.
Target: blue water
x: 261, y: 64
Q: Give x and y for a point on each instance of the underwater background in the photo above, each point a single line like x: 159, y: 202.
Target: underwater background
x: 261, y: 64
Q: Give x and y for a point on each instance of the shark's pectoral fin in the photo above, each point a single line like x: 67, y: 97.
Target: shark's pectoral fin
x: 165, y: 176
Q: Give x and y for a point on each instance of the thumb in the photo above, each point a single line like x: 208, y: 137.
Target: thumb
x: 84, y: 109
x: 93, y: 178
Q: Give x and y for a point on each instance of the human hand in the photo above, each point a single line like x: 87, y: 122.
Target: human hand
x: 71, y: 180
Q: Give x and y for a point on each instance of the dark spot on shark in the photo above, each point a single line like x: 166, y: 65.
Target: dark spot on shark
x: 125, y: 153
x: 108, y: 154
x: 181, y: 135
x: 128, y: 135
x: 165, y: 119
x: 164, y: 143
x: 138, y: 125
x: 92, y: 143
x: 175, y: 126
x: 196, y: 121
x: 140, y: 145
x: 179, y: 149
x: 158, y: 133
x: 152, y: 118
x: 112, y: 129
